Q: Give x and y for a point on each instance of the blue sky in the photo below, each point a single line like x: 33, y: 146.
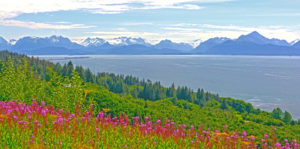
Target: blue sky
x: 154, y: 20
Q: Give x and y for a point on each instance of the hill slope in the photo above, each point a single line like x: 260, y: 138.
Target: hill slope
x: 64, y: 89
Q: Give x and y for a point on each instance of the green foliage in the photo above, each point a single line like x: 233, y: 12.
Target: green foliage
x: 19, y: 81
x: 24, y: 78
x: 277, y: 113
x: 224, y: 105
x: 145, y: 89
x: 287, y: 117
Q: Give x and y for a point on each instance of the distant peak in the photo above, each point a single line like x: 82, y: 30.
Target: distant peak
x: 93, y: 41
x: 253, y: 36
x: 96, y: 38
x: 219, y: 38
x: 123, y: 40
x: 254, y: 33
x: 166, y: 41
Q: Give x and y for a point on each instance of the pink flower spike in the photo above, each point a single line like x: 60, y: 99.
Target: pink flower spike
x: 244, y: 133
x: 286, y: 140
x: 100, y: 115
x: 15, y: 117
x: 277, y: 144
x: 294, y: 140
x: 43, y: 103
x: 158, y: 121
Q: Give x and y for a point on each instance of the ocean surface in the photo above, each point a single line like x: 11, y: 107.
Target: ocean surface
x: 265, y: 81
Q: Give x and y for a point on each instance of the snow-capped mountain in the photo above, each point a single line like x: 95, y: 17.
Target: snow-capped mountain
x: 93, y: 42
x: 257, y: 38
x: 125, y: 41
x: 211, y: 43
x: 34, y: 43
x: 168, y: 44
x: 250, y: 44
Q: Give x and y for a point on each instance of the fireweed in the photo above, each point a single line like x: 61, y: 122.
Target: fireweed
x: 41, y: 126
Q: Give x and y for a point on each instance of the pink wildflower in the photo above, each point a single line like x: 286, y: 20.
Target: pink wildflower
x: 244, y: 133
x: 43, y: 103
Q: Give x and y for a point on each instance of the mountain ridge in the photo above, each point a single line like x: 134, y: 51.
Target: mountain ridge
x: 251, y: 44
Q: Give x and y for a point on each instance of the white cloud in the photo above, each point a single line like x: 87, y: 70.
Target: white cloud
x: 191, y: 7
x: 35, y: 25
x: 191, y: 33
x: 137, y: 23
x: 185, y: 6
x: 276, y: 14
x: 206, y: 31
x: 13, y: 8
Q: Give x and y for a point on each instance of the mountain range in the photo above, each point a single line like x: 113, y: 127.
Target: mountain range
x: 250, y: 44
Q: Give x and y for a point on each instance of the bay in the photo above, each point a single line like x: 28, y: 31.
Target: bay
x: 265, y: 81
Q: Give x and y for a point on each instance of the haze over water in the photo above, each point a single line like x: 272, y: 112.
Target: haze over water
x: 266, y: 82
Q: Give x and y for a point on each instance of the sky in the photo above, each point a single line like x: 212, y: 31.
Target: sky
x: 154, y: 20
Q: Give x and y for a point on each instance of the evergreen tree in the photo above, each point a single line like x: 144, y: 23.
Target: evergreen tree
x: 224, y: 105
x: 89, y: 76
x: 80, y: 71
x: 277, y: 113
x: 287, y: 117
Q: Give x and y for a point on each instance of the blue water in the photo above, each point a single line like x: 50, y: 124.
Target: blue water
x: 266, y: 82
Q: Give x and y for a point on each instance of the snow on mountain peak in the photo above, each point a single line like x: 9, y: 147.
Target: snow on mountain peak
x: 124, y: 41
x: 93, y: 42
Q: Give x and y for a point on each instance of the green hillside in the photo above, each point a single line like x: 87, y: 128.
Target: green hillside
x: 24, y: 78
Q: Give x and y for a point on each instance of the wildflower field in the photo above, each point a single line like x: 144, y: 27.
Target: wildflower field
x: 41, y: 126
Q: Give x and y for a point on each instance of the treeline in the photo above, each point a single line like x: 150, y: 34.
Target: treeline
x: 121, y: 84
x: 284, y: 116
x: 129, y: 85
